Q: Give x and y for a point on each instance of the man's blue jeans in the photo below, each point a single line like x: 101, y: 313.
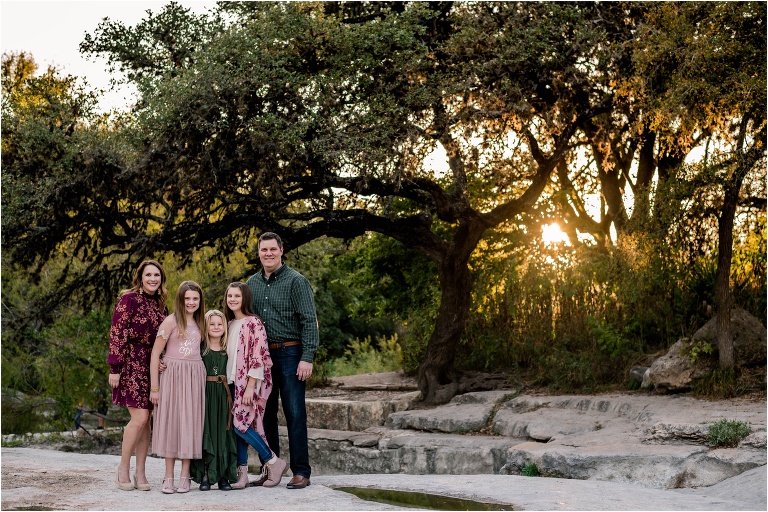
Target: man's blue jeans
x: 249, y: 437
x: 291, y: 391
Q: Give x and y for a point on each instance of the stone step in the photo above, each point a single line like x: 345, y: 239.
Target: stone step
x: 344, y: 411
x: 390, y: 451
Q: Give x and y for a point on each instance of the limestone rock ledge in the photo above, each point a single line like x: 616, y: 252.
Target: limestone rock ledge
x: 648, y: 440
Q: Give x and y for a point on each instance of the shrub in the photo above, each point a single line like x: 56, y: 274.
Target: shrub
x: 362, y: 357
x: 699, y: 348
x: 21, y: 417
x: 719, y: 383
x: 530, y: 469
x: 609, y: 339
x: 727, y: 433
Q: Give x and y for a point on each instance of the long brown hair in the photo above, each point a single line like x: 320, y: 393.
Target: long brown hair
x: 137, y: 284
x: 247, y: 305
x: 179, y: 311
x: 206, y: 339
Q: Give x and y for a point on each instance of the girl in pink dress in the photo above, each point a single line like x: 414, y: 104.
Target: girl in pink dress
x: 249, y: 372
x: 179, y: 392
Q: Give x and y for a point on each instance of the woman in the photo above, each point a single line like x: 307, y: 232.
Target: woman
x: 138, y: 313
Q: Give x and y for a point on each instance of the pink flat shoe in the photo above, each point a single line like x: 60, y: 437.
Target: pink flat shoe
x: 168, y: 486
x: 184, y: 484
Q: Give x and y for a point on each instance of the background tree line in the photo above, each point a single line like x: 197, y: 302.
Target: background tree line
x: 639, y: 128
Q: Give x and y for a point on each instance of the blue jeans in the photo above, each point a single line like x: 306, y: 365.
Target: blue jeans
x: 249, y: 437
x: 291, y: 391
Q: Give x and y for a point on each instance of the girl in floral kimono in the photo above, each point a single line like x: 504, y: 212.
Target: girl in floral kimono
x: 250, y: 377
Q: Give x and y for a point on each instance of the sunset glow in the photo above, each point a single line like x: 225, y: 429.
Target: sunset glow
x: 551, y: 234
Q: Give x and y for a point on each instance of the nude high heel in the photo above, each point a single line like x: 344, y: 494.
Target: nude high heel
x: 121, y: 485
x: 141, y: 487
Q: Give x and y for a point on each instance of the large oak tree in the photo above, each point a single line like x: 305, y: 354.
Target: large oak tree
x: 316, y: 119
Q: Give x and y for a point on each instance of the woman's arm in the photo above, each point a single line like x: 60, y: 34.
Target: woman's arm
x: 251, y: 390
x: 258, y: 357
x: 163, y: 333
x: 118, y: 337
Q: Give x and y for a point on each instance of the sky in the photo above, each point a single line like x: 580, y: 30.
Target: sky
x: 53, y: 30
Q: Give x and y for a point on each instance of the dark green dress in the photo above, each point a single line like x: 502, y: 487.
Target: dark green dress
x: 219, y: 448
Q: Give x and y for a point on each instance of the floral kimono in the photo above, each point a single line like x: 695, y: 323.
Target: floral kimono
x: 252, y: 354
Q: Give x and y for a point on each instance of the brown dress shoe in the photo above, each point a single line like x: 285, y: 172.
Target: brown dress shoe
x: 298, y: 482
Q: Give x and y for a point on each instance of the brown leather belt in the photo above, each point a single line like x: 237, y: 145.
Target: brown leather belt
x: 275, y: 346
x: 223, y: 380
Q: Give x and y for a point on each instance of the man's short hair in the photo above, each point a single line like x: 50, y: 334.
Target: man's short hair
x: 270, y: 236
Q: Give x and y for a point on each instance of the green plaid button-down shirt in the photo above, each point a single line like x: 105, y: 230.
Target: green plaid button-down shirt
x: 286, y: 304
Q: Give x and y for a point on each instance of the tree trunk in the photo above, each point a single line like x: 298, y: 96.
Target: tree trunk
x: 723, y: 296
x: 438, y: 381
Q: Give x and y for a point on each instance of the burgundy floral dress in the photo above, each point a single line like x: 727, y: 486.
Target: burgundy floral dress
x: 131, y: 338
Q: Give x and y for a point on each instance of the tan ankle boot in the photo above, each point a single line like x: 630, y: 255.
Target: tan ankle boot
x: 275, y: 472
x: 242, y: 478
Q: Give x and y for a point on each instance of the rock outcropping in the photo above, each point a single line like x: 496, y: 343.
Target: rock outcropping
x: 678, y: 368
x: 650, y: 440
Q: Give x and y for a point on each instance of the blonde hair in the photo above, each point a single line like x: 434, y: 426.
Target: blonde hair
x: 178, y: 309
x: 206, y: 340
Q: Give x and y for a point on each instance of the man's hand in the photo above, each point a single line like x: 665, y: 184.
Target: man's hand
x: 304, y: 371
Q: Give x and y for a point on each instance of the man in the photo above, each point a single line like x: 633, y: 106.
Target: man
x: 284, y: 300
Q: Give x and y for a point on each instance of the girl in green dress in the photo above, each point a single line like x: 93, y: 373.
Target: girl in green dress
x: 219, y: 463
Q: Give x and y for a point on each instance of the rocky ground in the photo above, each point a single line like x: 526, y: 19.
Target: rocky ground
x: 36, y: 479
x: 634, y: 451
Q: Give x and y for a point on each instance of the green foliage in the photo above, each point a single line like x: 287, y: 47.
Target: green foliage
x: 727, y: 433
x: 609, y: 339
x: 363, y: 357
x: 721, y: 383
x: 529, y: 469
x: 552, y: 314
x: 21, y: 415
x: 394, y: 282
x: 576, y: 318
x: 699, y: 348
x: 320, y: 373
x: 73, y: 367
x: 748, y: 270
x: 347, y: 294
